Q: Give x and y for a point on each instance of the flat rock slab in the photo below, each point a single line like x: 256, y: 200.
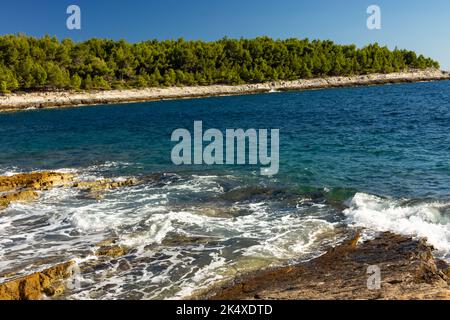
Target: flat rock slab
x: 408, y: 271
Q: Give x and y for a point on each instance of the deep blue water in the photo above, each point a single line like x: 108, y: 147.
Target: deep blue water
x: 374, y: 157
x: 389, y: 140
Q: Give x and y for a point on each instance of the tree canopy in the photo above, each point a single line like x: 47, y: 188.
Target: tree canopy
x: 28, y: 63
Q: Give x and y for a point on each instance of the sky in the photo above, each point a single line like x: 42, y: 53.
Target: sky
x: 419, y: 25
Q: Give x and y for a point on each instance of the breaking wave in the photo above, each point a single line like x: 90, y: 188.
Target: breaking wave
x: 182, y: 233
x: 430, y: 219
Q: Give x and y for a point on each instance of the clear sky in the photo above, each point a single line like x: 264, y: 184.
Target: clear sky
x: 420, y: 25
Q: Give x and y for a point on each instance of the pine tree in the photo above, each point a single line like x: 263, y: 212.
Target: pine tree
x: 76, y: 82
x: 4, y: 87
x: 35, y: 64
x: 87, y: 83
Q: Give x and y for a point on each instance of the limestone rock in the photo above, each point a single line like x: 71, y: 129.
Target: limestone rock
x: 34, y: 181
x: 25, y: 195
x: 408, y: 271
x: 112, y: 251
x: 32, y: 287
x: 23, y: 187
x: 95, y: 189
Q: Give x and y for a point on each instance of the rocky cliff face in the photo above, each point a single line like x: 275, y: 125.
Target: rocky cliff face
x: 408, y: 271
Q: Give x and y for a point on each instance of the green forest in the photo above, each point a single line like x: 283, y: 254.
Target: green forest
x: 31, y: 64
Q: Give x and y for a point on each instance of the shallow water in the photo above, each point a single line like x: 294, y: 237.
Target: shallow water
x: 376, y: 157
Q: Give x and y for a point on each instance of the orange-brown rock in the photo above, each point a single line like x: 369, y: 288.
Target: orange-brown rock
x: 22, y: 187
x: 49, y: 282
x: 34, y: 181
x: 106, y: 184
x: 25, y: 195
x: 408, y: 271
x: 95, y: 189
x: 112, y: 251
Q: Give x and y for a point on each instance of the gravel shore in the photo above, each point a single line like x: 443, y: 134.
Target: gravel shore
x: 40, y: 100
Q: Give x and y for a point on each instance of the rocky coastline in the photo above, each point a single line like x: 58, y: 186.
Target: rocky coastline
x: 42, y: 100
x: 52, y: 281
x: 409, y: 270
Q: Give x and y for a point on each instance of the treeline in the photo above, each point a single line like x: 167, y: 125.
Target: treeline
x: 28, y: 63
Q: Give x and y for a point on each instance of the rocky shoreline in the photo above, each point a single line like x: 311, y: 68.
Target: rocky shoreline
x: 408, y: 268
x: 408, y: 272
x: 52, y: 281
x: 41, y: 100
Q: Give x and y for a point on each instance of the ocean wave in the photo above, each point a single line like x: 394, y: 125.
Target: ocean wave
x: 9, y: 171
x: 424, y: 219
x: 197, y: 184
x: 182, y: 234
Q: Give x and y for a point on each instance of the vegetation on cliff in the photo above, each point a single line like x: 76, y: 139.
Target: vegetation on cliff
x: 28, y: 63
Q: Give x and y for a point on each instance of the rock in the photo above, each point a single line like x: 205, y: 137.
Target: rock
x: 159, y: 180
x: 106, y: 184
x: 113, y: 251
x: 213, y: 209
x: 26, y: 195
x: 22, y: 187
x: 176, y: 240
x: 252, y: 194
x: 95, y: 189
x: 34, y: 181
x: 49, y: 282
x: 408, y: 271
x: 108, y: 242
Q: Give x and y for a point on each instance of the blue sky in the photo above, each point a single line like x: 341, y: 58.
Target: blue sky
x: 419, y: 25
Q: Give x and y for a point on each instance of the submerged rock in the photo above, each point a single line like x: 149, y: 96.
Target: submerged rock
x: 106, y: 184
x: 408, y: 271
x: 159, y: 180
x: 176, y: 240
x: 212, y: 209
x: 49, y: 282
x: 95, y: 189
x: 254, y: 194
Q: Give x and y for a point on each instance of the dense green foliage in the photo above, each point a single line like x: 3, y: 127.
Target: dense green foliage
x: 28, y: 63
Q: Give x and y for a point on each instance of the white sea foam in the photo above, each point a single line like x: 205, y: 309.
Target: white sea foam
x: 65, y: 224
x: 198, y: 184
x: 9, y: 171
x: 203, y: 277
x: 430, y: 220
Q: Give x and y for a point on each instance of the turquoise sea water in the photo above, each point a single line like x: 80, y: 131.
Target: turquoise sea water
x: 376, y: 157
